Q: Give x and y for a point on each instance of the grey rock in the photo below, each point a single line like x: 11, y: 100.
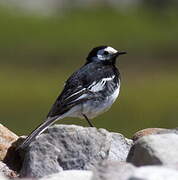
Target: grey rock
x: 40, y: 161
x: 120, y: 147
x: 168, y: 131
x: 154, y: 173
x: 160, y: 149
x: 2, y: 177
x: 66, y: 147
x: 113, y: 170
x: 125, y: 171
x: 70, y: 174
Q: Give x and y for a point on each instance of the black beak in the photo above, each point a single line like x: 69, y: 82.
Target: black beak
x: 119, y: 53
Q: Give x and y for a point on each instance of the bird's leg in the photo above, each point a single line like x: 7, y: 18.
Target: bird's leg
x: 89, y: 122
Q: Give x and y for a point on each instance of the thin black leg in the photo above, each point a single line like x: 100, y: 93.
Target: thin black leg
x: 89, y: 122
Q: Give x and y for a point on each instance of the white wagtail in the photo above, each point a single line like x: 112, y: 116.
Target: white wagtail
x: 88, y: 92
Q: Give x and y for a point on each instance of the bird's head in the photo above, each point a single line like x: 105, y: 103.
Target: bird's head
x: 104, y: 54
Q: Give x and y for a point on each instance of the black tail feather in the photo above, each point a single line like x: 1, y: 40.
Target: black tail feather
x: 42, y: 127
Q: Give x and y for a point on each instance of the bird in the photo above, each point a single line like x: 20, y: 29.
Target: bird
x: 88, y: 92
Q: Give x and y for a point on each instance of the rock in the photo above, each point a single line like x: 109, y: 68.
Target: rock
x: 67, y: 147
x: 115, y: 170
x: 151, y: 131
x: 6, y: 171
x: 146, y: 132
x: 2, y: 177
x: 7, y: 152
x: 160, y: 149
x: 168, y: 131
x: 120, y: 147
x: 154, y: 173
x: 6, y: 139
x: 70, y: 174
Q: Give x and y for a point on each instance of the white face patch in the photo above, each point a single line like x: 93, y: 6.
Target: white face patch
x: 105, y: 54
x: 110, y: 50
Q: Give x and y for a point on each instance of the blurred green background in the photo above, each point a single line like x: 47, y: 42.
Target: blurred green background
x: 39, y: 51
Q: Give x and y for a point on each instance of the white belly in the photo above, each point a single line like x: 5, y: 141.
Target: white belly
x: 91, y: 109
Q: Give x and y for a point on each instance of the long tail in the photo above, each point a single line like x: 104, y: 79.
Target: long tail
x: 42, y: 127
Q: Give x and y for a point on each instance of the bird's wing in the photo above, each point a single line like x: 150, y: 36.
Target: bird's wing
x: 68, y: 99
x: 81, y: 86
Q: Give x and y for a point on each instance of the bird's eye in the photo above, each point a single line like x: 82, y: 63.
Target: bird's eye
x: 106, y: 53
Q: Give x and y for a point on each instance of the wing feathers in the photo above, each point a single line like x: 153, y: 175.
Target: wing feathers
x: 100, y: 85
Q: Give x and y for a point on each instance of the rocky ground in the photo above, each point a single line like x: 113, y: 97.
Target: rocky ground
x: 66, y: 152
